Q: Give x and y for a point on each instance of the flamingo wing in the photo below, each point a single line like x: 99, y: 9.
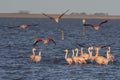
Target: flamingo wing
x: 31, y: 24
x: 48, y: 16
x: 104, y: 21
x: 51, y: 39
x: 86, y: 24
x: 37, y: 40
x: 63, y: 13
x: 106, y: 45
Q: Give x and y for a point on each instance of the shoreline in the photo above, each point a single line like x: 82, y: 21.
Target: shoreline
x: 18, y: 15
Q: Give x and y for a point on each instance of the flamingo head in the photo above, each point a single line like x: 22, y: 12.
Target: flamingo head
x: 66, y: 50
x: 76, y: 49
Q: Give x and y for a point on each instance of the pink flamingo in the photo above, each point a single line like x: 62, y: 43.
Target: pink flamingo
x: 32, y: 57
x: 100, y: 59
x: 38, y: 57
x: 44, y: 41
x: 24, y: 26
x: 56, y: 19
x: 96, y: 27
x: 68, y: 59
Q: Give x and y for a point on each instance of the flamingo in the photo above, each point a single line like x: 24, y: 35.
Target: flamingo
x: 98, y: 26
x: 56, y: 19
x: 111, y: 57
x: 24, y: 26
x: 85, y: 55
x: 38, y: 57
x: 79, y: 59
x: 91, y: 55
x: 32, y: 57
x: 100, y: 59
x: 68, y: 59
x: 45, y: 41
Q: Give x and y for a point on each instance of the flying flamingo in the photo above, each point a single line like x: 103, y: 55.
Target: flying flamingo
x: 24, y: 26
x: 56, y: 19
x: 68, y: 59
x: 96, y: 27
x: 32, y: 57
x: 44, y: 41
x: 38, y: 57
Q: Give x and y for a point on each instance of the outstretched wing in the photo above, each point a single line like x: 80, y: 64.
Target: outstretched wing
x: 104, y: 21
x: 63, y: 13
x: 31, y: 24
x: 106, y: 45
x: 48, y: 16
x: 88, y: 25
x: 37, y: 40
x: 51, y: 39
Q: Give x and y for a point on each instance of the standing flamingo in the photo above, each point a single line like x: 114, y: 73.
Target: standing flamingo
x: 32, y: 57
x: 98, y: 26
x: 45, y: 41
x: 79, y: 59
x: 56, y: 19
x: 100, y: 59
x: 111, y: 57
x: 85, y: 55
x: 68, y: 59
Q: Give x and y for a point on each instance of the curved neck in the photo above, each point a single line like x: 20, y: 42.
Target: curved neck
x: 76, y: 52
x: 33, y: 50
x: 73, y: 53
x: 107, y: 54
x: 97, y: 52
x: 66, y: 54
x: 90, y: 53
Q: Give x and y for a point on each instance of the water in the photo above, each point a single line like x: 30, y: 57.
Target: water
x: 16, y: 47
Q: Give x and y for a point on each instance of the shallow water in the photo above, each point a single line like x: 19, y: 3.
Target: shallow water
x: 16, y: 47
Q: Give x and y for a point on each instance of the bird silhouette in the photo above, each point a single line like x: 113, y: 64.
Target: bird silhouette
x: 44, y: 41
x: 96, y: 27
x: 23, y: 26
x: 56, y: 19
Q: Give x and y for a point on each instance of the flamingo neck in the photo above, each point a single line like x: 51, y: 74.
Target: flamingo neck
x: 33, y: 52
x: 77, y: 52
x: 81, y: 51
x: 73, y: 53
x: 90, y: 53
x: 107, y: 54
x: 97, y: 52
x: 66, y: 54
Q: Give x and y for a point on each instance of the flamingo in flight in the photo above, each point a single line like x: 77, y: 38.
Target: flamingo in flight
x: 56, y: 19
x: 44, y: 41
x: 96, y: 27
x: 24, y: 26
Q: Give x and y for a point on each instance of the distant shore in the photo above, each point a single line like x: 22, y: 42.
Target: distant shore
x: 18, y: 15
